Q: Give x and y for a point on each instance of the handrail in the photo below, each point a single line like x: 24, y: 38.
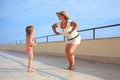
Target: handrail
x: 47, y: 40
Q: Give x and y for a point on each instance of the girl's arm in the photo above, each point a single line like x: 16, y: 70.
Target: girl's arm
x: 74, y: 26
x: 32, y: 42
x: 54, y: 26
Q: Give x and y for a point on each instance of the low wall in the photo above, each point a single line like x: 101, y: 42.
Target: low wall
x: 102, y: 50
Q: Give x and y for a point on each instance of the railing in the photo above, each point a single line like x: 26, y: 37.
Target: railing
x: 47, y: 37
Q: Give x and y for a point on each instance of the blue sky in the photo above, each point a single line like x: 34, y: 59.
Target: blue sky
x: 15, y: 15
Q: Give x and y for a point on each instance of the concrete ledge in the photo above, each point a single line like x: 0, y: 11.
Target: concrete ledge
x: 113, y: 60
x: 102, y: 50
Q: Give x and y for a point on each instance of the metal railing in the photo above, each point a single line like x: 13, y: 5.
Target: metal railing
x: 47, y: 37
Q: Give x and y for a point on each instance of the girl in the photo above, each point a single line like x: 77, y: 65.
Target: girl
x: 68, y: 29
x: 29, y: 46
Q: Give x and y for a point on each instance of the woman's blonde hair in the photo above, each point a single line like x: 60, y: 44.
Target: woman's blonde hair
x: 63, y: 13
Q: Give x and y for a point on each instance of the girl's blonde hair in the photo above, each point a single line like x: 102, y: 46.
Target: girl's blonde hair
x: 29, y: 30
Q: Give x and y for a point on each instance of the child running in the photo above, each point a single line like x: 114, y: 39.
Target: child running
x: 29, y: 46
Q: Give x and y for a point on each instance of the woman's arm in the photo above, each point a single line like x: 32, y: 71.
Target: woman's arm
x: 54, y: 26
x: 74, y: 26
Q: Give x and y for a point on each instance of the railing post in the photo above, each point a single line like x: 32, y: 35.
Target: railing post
x: 20, y: 41
x: 35, y: 40
x: 12, y: 42
x: 16, y: 42
x: 93, y: 33
x: 9, y: 44
x: 64, y: 38
x: 46, y: 38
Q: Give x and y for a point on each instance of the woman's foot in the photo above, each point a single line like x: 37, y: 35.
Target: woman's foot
x: 31, y: 70
x: 67, y: 68
x: 72, y: 67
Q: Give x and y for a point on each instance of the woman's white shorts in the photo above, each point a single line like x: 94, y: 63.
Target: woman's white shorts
x: 77, y: 40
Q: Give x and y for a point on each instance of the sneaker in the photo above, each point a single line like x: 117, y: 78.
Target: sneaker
x: 72, y: 68
x: 67, y: 68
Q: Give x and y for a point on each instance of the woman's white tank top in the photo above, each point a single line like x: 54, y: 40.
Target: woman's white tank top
x: 67, y: 29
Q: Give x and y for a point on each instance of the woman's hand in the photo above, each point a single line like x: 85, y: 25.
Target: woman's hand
x: 57, y: 33
x: 54, y: 26
x: 69, y: 32
x: 74, y: 26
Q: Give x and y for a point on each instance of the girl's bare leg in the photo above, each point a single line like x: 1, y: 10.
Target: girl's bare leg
x: 30, y: 54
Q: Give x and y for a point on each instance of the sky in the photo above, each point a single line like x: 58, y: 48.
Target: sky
x: 15, y: 15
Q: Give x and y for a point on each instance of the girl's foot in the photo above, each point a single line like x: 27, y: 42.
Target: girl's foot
x: 31, y: 70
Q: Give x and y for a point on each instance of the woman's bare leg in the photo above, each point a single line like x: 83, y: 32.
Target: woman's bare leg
x: 67, y: 54
x: 71, y: 50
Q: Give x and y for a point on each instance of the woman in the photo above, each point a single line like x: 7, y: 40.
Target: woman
x: 68, y: 29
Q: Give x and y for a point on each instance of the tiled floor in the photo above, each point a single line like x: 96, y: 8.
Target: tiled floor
x: 13, y: 66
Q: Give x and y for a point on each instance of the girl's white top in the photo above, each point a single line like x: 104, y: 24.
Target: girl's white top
x: 67, y: 29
